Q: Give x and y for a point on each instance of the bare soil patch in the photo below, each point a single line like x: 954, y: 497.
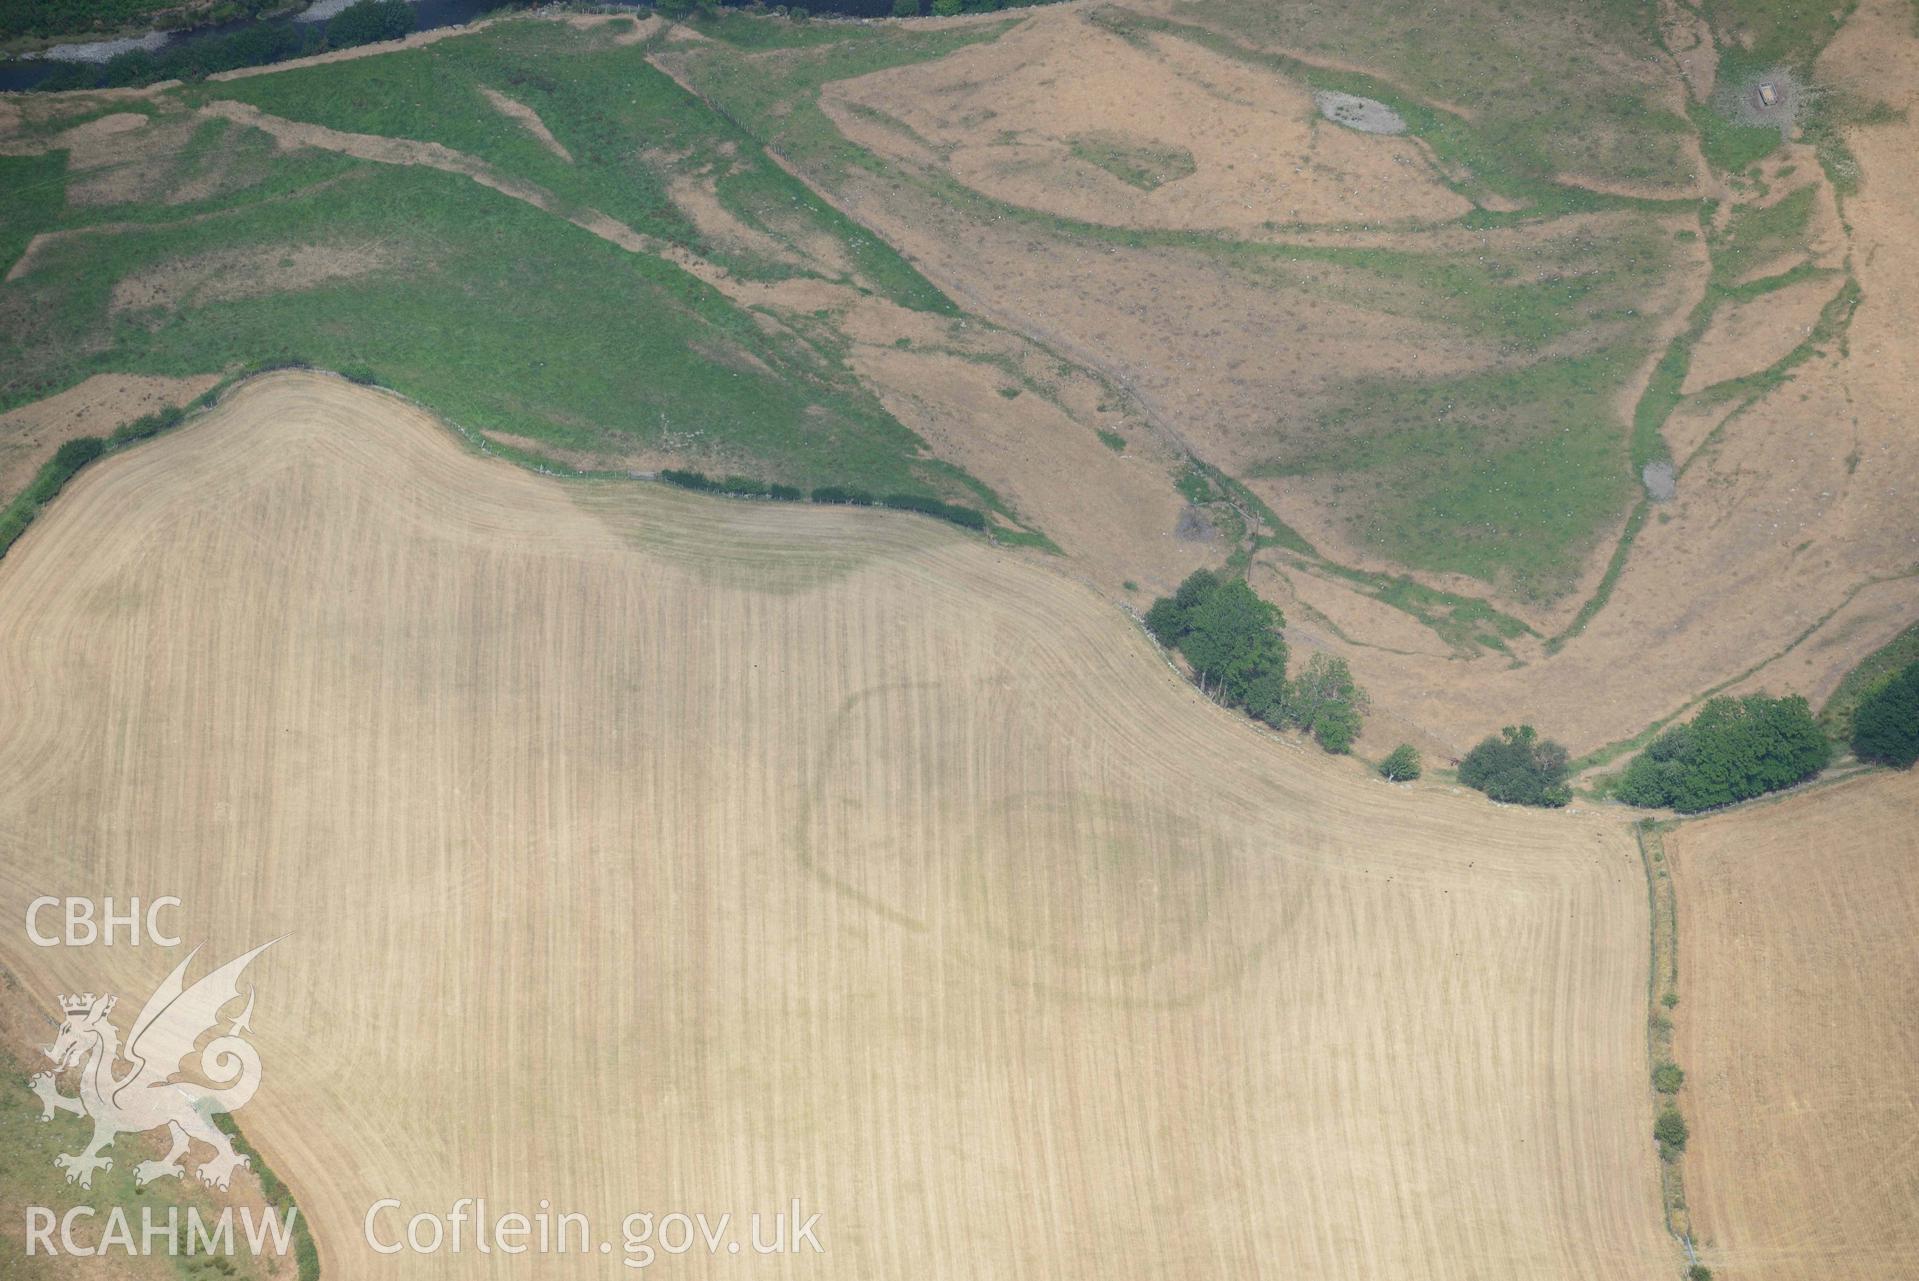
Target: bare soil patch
x: 122, y: 157
x: 1233, y: 347
x: 1012, y: 415
x: 30, y: 434
x: 1118, y: 516
x: 697, y: 198
x: 1009, y: 125
x: 252, y: 273
x: 528, y: 119
x: 1692, y: 423
x: 1340, y: 618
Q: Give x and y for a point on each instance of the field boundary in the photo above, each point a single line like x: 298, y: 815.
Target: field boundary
x: 1662, y: 997
x: 306, y: 1254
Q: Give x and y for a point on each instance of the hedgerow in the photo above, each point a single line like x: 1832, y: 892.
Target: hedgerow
x: 834, y: 495
x: 51, y: 478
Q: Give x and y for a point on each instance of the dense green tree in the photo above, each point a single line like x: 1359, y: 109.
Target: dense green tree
x: 1335, y: 726
x: 1886, y: 726
x: 1326, y: 681
x: 1199, y: 584
x: 946, y: 8
x: 1166, y: 621
x: 1735, y: 749
x: 1401, y: 764
x: 1670, y: 1130
x: 1518, y: 767
x: 1232, y: 640
x: 1230, y: 636
x: 906, y: 8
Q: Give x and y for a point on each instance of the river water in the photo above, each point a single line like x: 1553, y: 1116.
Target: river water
x: 19, y: 73
x: 25, y: 73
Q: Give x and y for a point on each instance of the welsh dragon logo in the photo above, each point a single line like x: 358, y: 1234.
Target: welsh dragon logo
x: 148, y: 1091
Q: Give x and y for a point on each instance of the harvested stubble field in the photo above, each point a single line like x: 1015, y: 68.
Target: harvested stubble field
x: 1800, y: 1035
x: 641, y: 851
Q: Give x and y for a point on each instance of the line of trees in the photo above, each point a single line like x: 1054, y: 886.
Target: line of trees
x: 1232, y: 640
x: 838, y: 495
x: 1734, y: 750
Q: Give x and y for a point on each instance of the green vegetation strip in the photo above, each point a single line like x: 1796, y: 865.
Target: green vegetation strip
x: 1662, y: 998
x: 836, y: 495
x: 306, y: 1256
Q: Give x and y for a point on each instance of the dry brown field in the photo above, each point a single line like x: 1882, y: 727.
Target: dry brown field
x: 1800, y: 1035
x: 644, y: 852
x: 1789, y: 552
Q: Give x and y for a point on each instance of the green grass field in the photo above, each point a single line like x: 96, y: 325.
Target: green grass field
x: 500, y: 315
x: 1503, y: 475
x: 629, y: 129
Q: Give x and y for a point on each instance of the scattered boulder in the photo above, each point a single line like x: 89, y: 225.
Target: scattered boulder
x: 1364, y: 114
